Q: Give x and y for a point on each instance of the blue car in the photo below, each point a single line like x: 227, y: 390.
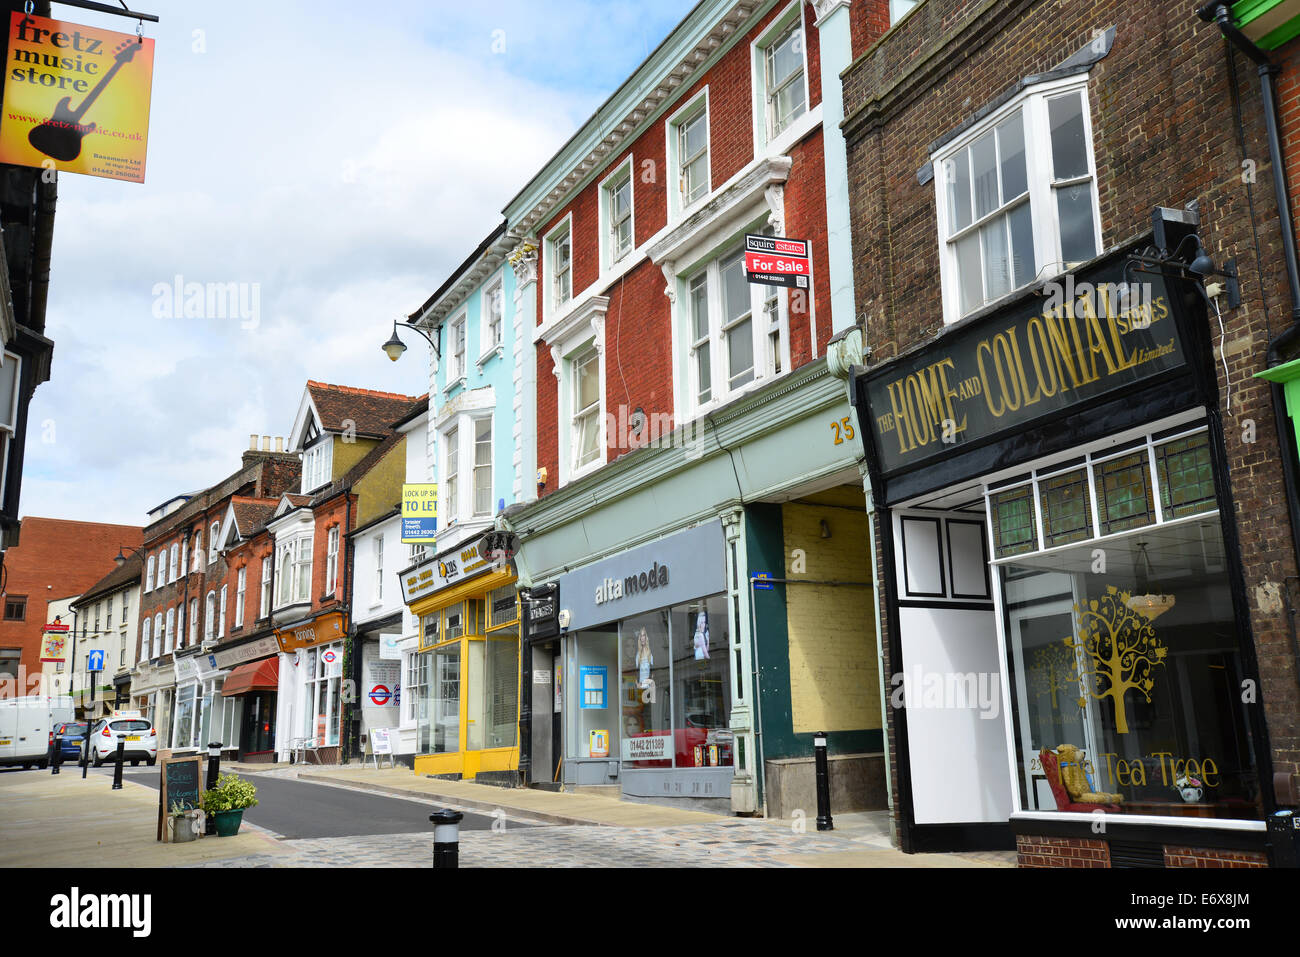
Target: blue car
x: 71, y: 737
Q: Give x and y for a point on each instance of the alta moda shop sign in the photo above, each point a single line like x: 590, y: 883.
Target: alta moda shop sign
x: 1091, y: 335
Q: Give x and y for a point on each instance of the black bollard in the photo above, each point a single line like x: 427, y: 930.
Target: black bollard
x: 824, y: 822
x: 214, y: 774
x: 119, y: 759
x: 57, y: 757
x: 446, y: 837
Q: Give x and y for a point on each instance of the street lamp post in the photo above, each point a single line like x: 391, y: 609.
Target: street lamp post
x: 394, y: 347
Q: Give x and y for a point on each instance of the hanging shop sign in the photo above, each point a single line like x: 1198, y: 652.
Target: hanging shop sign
x: 541, y: 611
x: 420, y: 514
x: 1087, y: 337
x: 54, y: 643
x: 76, y: 99
x: 488, y: 552
x: 318, y: 631
x: 776, y: 261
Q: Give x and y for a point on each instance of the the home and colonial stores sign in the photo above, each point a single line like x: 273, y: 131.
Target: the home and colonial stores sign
x: 1082, y: 341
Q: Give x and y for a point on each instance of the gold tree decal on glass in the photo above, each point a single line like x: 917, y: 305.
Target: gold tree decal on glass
x: 1052, y: 671
x: 1120, y: 651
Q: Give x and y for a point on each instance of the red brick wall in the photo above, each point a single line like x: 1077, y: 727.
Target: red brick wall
x: 191, y: 584
x: 55, y: 559
x: 638, y: 360
x: 1210, y: 857
x: 868, y: 20
x: 333, y: 514
x: 1036, y: 851
x: 248, y: 556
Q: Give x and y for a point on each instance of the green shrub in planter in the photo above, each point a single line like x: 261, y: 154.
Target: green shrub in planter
x: 232, y: 793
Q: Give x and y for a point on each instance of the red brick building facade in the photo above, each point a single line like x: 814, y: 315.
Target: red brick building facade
x: 54, y: 559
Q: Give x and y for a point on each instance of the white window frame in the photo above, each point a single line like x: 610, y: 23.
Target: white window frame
x: 198, y: 550
x: 618, y: 176
x: 449, y: 487
x: 379, y: 570
x: 553, y: 306
x: 492, y: 342
x: 221, y: 613
x: 677, y: 205
x: 318, y: 464
x: 214, y: 538
x: 149, y: 572
x: 185, y: 557
x: 570, y: 411
x: 173, y: 558
x: 241, y: 586
x: 268, y: 564
x: 765, y: 363
x: 474, y: 467
x: 457, y: 361
x: 1041, y: 193
x: 158, y: 635
x: 194, y: 621
x: 169, y: 645
x: 146, y: 640
x: 180, y: 625
x: 764, y: 133
x: 126, y: 607
x: 210, y: 616
x: 332, y: 561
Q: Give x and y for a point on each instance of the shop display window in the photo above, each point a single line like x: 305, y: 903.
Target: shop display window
x: 702, y: 684
x: 1124, y: 654
x: 646, y: 691
x: 1014, y: 530
x: 591, y: 705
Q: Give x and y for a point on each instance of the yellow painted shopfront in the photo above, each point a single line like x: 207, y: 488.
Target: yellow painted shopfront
x: 467, y: 677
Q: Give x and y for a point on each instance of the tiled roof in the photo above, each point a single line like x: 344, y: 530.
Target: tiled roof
x: 252, y: 514
x: 370, y: 414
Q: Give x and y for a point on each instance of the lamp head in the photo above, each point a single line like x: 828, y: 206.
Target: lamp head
x: 120, y: 560
x: 394, y: 347
x: 1202, y: 265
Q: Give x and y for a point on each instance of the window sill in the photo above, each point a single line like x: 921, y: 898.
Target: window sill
x: 495, y: 352
x: 457, y: 383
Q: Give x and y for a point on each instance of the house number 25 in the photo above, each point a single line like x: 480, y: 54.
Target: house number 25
x: 843, y: 430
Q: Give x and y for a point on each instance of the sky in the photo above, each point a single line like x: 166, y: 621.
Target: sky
x: 337, y: 161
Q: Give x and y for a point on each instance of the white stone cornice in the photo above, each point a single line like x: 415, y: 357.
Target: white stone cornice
x: 523, y: 260
x: 670, y: 276
x: 823, y: 9
x: 724, y: 212
x: 775, y: 196
x: 562, y: 327
x: 598, y: 330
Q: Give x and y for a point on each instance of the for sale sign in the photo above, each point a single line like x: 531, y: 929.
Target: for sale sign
x: 775, y: 261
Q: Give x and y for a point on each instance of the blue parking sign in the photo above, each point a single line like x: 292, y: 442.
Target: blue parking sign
x: 96, y: 663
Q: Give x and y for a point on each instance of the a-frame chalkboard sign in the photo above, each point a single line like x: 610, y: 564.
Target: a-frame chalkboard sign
x: 181, y: 783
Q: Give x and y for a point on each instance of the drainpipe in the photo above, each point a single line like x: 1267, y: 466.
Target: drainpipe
x: 1281, y: 344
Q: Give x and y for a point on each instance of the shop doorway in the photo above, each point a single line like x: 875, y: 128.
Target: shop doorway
x: 257, y: 735
x: 951, y: 673
x: 546, y: 708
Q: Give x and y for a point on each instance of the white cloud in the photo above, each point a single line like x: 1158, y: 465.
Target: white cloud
x: 344, y: 162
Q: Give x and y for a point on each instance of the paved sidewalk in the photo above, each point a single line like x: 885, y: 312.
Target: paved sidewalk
x: 60, y: 820
x: 550, y: 807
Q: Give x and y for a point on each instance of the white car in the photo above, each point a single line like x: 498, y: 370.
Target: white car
x: 140, y: 736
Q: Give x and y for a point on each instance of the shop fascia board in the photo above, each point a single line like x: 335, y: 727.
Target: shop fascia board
x: 801, y: 395
x: 707, y: 34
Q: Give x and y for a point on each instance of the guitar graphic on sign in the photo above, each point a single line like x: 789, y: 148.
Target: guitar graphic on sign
x: 60, y: 136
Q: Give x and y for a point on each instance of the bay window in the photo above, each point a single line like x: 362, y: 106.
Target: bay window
x: 1017, y: 198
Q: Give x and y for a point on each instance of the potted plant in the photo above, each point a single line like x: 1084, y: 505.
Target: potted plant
x: 184, y: 823
x: 227, y: 802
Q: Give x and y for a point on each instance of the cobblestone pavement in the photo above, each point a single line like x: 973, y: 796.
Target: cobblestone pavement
x: 724, y: 844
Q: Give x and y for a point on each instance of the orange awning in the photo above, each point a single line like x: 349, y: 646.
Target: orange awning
x: 253, y: 676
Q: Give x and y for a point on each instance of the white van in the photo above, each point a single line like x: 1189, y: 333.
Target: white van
x: 25, y: 726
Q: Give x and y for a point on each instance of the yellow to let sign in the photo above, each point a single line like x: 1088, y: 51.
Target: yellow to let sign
x: 420, y: 514
x: 76, y: 99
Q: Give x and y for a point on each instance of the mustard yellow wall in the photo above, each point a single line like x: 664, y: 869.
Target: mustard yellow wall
x: 834, y: 678
x: 348, y: 454
x: 379, y: 491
